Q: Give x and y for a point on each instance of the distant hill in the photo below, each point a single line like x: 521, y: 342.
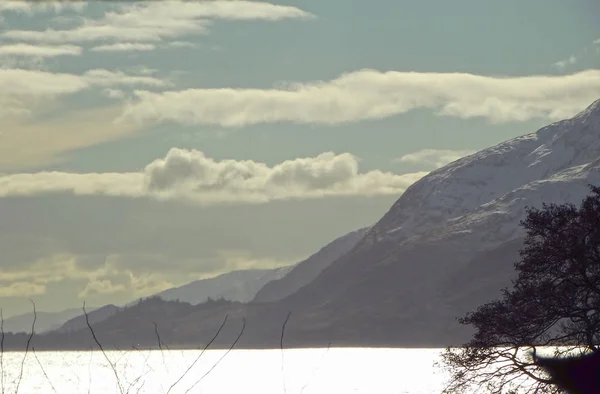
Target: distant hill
x: 78, y: 322
x: 306, y: 271
x: 46, y: 321
x: 239, y: 286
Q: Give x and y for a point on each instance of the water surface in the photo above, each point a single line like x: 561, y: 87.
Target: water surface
x: 294, y: 371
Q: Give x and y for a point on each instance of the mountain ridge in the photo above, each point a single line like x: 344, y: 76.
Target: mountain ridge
x: 447, y: 245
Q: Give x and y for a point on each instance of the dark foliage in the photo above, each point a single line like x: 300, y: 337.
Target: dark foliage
x: 575, y: 375
x: 554, y: 301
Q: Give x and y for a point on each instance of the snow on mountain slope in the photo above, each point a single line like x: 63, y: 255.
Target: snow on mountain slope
x: 400, y: 281
x: 553, y: 154
x: 234, y: 286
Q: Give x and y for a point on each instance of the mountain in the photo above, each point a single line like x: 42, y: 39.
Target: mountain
x: 45, y: 321
x: 306, y: 271
x: 94, y: 316
x: 239, y: 286
x: 234, y: 286
x: 447, y: 245
x: 429, y: 258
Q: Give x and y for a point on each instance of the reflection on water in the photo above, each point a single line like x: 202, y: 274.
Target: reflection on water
x: 307, y: 371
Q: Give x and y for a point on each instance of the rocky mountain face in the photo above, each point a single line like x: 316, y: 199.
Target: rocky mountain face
x: 306, y: 271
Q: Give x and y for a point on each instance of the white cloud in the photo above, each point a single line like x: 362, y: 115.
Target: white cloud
x: 114, y: 94
x: 181, y: 44
x: 190, y: 176
x: 102, y: 77
x: 39, y: 50
x: 155, y: 21
x: 124, y: 47
x: 565, y: 62
x: 30, y: 7
x: 370, y: 94
x: 23, y: 90
x: 434, y: 157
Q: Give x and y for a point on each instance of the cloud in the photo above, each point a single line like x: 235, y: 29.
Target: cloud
x: 101, y: 287
x: 21, y: 289
x: 563, y: 63
x: 114, y: 94
x: 233, y: 260
x: 20, y: 145
x: 156, y: 21
x: 181, y: 44
x: 370, y: 94
x: 24, y: 90
x: 31, y: 7
x: 39, y: 50
x: 124, y: 47
x: 434, y: 157
x: 190, y: 176
x: 96, y: 276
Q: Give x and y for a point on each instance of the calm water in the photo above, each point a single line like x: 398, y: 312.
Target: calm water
x: 307, y: 371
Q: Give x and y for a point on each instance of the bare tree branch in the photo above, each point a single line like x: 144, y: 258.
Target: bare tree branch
x: 281, y: 348
x: 43, y: 370
x: 316, y: 368
x: 27, y: 347
x: 87, y: 321
x: 222, y: 357
x: 200, y: 355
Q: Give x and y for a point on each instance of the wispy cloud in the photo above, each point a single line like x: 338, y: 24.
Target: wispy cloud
x: 434, y: 158
x: 24, y: 90
x: 371, y: 94
x: 181, y: 44
x: 30, y: 143
x: 565, y: 62
x: 30, y: 7
x: 124, y: 47
x: 39, y: 50
x: 158, y: 20
x: 190, y: 176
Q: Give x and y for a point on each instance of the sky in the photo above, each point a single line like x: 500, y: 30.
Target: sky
x: 144, y: 145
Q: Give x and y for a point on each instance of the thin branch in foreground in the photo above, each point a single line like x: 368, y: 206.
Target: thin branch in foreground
x: 2, y: 352
x: 87, y: 321
x: 43, y: 370
x: 316, y: 368
x: 222, y: 357
x: 136, y: 380
x: 27, y: 347
x: 281, y: 348
x: 157, y: 336
x: 200, y: 355
x: 90, y: 370
x: 160, y: 342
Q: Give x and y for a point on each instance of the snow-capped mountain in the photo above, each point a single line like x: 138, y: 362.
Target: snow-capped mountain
x: 500, y: 180
x: 449, y: 242
x: 445, y: 247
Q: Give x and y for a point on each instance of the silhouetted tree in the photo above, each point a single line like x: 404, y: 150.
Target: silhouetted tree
x: 554, y: 301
